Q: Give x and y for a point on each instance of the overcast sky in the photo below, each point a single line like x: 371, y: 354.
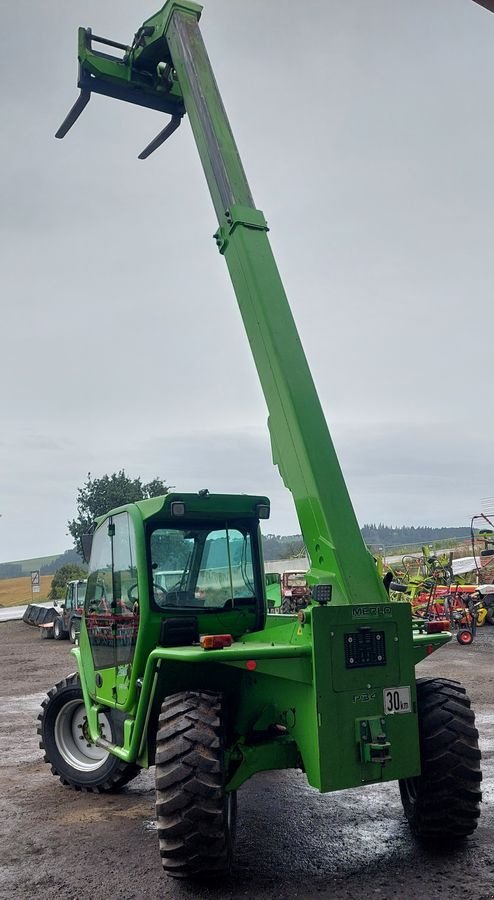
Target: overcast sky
x: 367, y: 130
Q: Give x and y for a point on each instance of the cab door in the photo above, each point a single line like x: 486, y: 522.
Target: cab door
x: 111, y: 610
x: 69, y: 605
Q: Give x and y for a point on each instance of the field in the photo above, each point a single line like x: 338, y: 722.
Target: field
x: 17, y: 591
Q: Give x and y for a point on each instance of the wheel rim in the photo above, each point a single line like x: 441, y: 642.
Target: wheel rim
x: 465, y: 638
x: 72, y: 740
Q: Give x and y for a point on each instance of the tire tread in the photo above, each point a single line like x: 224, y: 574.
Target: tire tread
x: 446, y: 805
x: 193, y: 832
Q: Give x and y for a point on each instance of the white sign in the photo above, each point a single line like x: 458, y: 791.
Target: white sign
x: 35, y: 582
x: 397, y: 700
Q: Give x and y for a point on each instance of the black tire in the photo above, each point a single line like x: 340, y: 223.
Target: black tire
x: 196, y: 817
x: 58, y: 631
x: 490, y: 609
x: 74, y: 630
x: 81, y: 766
x: 464, y: 636
x: 443, y: 803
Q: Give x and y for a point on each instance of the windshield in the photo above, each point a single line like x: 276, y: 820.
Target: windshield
x: 202, y: 567
x: 296, y: 579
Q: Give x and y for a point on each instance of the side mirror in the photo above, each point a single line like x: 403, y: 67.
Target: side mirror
x: 87, y: 543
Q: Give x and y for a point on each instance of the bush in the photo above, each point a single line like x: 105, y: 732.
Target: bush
x: 59, y: 582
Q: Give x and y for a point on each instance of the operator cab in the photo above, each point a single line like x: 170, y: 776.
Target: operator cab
x: 75, y: 594
x: 168, y: 569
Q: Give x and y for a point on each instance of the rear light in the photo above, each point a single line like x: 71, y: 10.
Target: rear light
x: 437, y: 625
x: 215, y: 641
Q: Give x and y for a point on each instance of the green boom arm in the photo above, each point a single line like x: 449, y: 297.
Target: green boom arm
x: 167, y: 68
x: 302, y: 447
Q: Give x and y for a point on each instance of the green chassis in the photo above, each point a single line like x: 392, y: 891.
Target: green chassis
x: 288, y: 687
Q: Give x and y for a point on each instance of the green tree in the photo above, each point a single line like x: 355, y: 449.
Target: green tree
x: 98, y: 495
x: 59, y: 582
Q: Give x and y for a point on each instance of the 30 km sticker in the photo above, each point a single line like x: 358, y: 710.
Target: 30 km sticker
x: 397, y: 700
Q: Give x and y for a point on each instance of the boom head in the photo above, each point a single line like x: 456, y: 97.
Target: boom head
x: 142, y: 74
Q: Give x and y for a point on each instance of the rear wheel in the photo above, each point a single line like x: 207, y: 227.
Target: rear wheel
x: 79, y: 763
x: 443, y: 802
x: 196, y: 817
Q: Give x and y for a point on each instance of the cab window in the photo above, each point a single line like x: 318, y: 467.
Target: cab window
x: 112, y: 597
x: 202, y: 567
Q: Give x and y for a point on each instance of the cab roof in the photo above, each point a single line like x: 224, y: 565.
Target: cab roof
x: 197, y: 506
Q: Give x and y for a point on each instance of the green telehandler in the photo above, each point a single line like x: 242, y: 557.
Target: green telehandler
x: 179, y: 664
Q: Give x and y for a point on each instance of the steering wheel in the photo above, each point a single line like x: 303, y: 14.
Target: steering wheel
x: 156, y: 587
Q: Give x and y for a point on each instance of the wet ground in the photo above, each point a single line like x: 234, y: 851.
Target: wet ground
x: 291, y: 841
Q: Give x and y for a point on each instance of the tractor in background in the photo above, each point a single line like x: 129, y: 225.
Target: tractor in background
x: 69, y: 613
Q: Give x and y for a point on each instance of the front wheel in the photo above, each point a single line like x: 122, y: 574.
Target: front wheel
x: 442, y: 804
x: 196, y: 817
x: 464, y: 636
x: 58, y: 631
x: 74, y: 630
x: 79, y: 763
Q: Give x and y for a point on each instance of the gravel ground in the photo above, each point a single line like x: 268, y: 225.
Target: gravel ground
x: 291, y: 841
